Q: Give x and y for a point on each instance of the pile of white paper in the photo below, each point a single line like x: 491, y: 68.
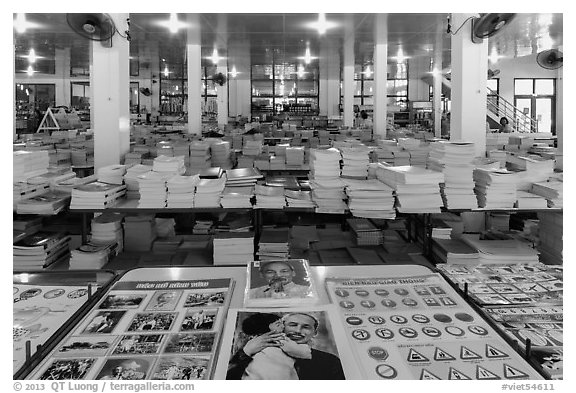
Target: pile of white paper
x: 324, y: 163
x: 328, y: 195
x: 208, y: 192
x: 133, y: 158
x: 501, y: 251
x: 242, y: 177
x: 495, y: 188
x: 152, y: 188
x: 252, y: 148
x: 355, y: 162
x: 199, y: 156
x: 111, y: 174
x: 551, y: 190
x: 295, y: 198
x: 181, y: 191
x: 29, y: 164
x: 370, y: 199
x: 107, y: 228
x: 173, y: 165
x: 233, y: 248
x: 294, y: 157
x: 96, y: 195
x: 269, y: 197
x: 529, y: 200
x: 221, y: 154
x: 237, y: 197
x: 131, y: 180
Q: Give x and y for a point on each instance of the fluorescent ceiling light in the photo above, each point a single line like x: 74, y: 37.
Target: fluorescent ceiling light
x: 31, y: 56
x: 233, y: 73
x: 21, y: 24
x: 368, y: 72
x: 307, y: 56
x: 215, y: 58
x: 400, y: 58
x: 322, y: 24
x: 173, y: 24
x: 166, y: 72
x: 301, y: 71
x: 494, y: 57
x: 30, y: 71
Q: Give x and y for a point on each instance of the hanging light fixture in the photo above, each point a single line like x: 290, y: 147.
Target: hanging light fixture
x: 494, y: 57
x: 307, y: 56
x: 400, y: 58
x: 30, y: 72
x: 21, y: 24
x: 215, y: 58
x: 322, y: 24
x: 173, y: 24
x: 301, y: 71
x: 234, y: 73
x: 166, y: 72
x: 368, y: 73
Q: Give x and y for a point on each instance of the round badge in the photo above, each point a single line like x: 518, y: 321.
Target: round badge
x: 478, y: 330
x: 442, y: 318
x: 360, y: 334
x: 381, y: 292
x: 536, y: 338
x: 341, y: 293
x: 420, y: 318
x: 464, y: 317
x: 387, y: 372
x: 346, y: 304
x: 408, y: 332
x: 399, y: 319
x: 355, y: 321
x: 78, y: 293
x: 378, y: 353
x: 385, y: 334
x: 15, y: 291
x: 361, y: 292
x: 30, y: 293
x: 410, y: 302
x: 454, y: 330
x: 54, y: 293
x: 376, y: 320
x: 401, y: 291
x: 388, y: 303
x: 368, y: 303
x: 431, y: 331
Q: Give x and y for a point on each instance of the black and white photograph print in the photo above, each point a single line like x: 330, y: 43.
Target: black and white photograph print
x: 67, y: 369
x: 164, y: 301
x: 285, y: 278
x: 202, y: 319
x: 86, y: 346
x: 152, y: 321
x: 125, y: 369
x: 191, y: 343
x: 181, y: 368
x: 128, y: 301
x: 138, y: 344
x: 205, y: 298
x: 103, y: 322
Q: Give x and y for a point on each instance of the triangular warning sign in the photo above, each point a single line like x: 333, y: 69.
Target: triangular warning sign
x: 492, y: 352
x: 440, y: 354
x: 512, y: 373
x: 483, y: 374
x: 427, y: 375
x: 415, y: 356
x: 455, y: 374
x: 468, y: 354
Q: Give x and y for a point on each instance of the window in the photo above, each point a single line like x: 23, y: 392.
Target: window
x: 31, y: 102
x: 536, y: 99
x: 492, y: 94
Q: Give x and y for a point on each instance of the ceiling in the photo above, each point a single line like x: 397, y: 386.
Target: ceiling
x: 417, y: 35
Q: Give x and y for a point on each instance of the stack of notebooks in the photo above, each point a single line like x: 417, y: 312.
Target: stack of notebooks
x: 274, y: 244
x: 551, y: 190
x: 418, y: 155
x: 531, y: 169
x: 299, y: 199
x: 67, y: 185
x: 252, y: 148
x: 21, y: 191
x: 181, y: 191
x: 139, y: 232
x: 131, y: 180
x: 152, y: 188
x: 277, y: 162
x: 355, y: 162
x: 454, y: 159
x: 182, y: 149
x: 245, y: 162
x: 96, y: 195
x: 40, y: 250
x: 208, y: 192
x: 202, y: 227
x: 501, y: 251
x: 325, y: 163
x: 242, y: 177
x: 237, y: 197
x: 495, y: 188
x: 328, y: 195
x: 417, y: 189
x: 454, y: 251
x: 269, y: 197
x: 107, y: 228
x: 370, y: 199
x: 233, y: 248
x: 294, y: 157
x: 199, y: 156
x: 111, y: 174
x: 53, y: 176
x: 49, y: 203
x: 133, y: 158
x: 221, y: 154
x: 91, y: 256
x: 365, y: 233
x: 29, y: 164
x: 173, y: 165
x: 528, y: 200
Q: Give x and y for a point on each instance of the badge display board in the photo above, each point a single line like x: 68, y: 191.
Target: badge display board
x: 420, y: 328
x: 145, y: 330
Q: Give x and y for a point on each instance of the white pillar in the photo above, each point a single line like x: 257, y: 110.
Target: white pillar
x: 560, y: 109
x: 418, y: 66
x: 380, y: 74
x: 469, y: 70
x: 348, y: 74
x: 437, y: 78
x: 109, y: 90
x: 329, y: 83
x: 239, y: 93
x: 222, y: 67
x: 194, y: 53
x: 62, y: 73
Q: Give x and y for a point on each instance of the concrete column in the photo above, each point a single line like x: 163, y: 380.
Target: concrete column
x: 109, y: 90
x: 469, y: 68
x: 417, y: 68
x: 437, y: 78
x: 62, y: 73
x: 194, y: 53
x: 222, y: 67
x: 329, y: 83
x: 560, y: 109
x: 239, y: 94
x: 380, y: 74
x: 348, y: 73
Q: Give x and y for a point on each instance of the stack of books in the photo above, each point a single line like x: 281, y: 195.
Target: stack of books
x: 299, y: 199
x: 417, y: 189
x: 274, y: 244
x: 237, y: 197
x: 23, y: 226
x: 166, y: 245
x: 96, y: 195
x: 107, y: 228
x: 28, y: 164
x: 355, y: 162
x: 325, y: 163
x: 82, y: 156
x: 92, y: 256
x: 53, y: 176
x: 328, y: 195
x: 40, y: 250
x: 67, y: 185
x: 22, y: 191
x: 199, y: 156
x: 152, y: 189
x: 202, y: 227
x: 454, y: 159
x: 131, y: 180
x: 133, y: 158
x: 181, y: 191
x: 495, y: 188
x: 233, y: 248
x: 242, y: 177
x: 502, y: 251
x: 111, y: 174
x: 49, y: 203
x: 454, y: 251
x: 294, y: 157
x: 221, y: 154
x: 370, y: 199
x: 530, y: 169
x: 529, y: 200
x: 269, y: 197
x: 139, y: 232
x: 172, y: 165
x: 277, y: 162
x: 365, y: 233
x: 252, y: 148
x: 209, y: 192
x: 165, y: 148
x: 551, y: 190
x: 182, y: 149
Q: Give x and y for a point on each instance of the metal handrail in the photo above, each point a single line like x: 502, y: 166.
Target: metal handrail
x: 503, y: 108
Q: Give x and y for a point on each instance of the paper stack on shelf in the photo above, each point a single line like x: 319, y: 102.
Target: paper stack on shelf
x: 237, y: 197
x: 131, y: 180
x: 133, y: 158
x: 454, y: 251
x: 111, y: 174
x: 277, y: 162
x: 551, y: 234
x: 67, y: 185
x: 529, y: 200
x: 199, y: 156
x: 242, y: 177
x: 233, y: 248
x: 294, y: 157
x: 28, y: 164
x: 417, y: 189
x: 49, y: 203
x: 252, y: 148
x: 365, y: 233
x: 173, y: 165
x: 551, y: 190
x: 269, y: 197
x: 355, y: 162
x: 152, y: 188
x: 82, y: 156
x: 40, y: 250
x: 299, y: 199
x: 182, y: 149
x: 53, y: 176
x: 91, y: 256
x: 202, y: 227
x: 22, y: 191
x: 208, y: 192
x: 389, y: 152
x: 495, y: 188
x: 501, y: 251
x: 96, y: 195
x: 164, y: 148
x: 530, y: 169
x: 328, y: 195
x: 107, y: 228
x: 454, y: 160
x: 274, y: 244
x: 221, y: 154
x: 139, y: 232
x: 370, y: 199
x: 181, y: 191
x: 324, y: 163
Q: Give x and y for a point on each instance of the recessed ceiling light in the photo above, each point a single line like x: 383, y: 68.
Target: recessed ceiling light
x: 173, y: 24
x: 322, y: 24
x: 21, y: 24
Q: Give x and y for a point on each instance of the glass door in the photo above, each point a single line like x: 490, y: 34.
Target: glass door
x: 543, y: 114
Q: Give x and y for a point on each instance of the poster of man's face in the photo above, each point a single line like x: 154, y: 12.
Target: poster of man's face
x: 281, y: 272
x: 164, y: 300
